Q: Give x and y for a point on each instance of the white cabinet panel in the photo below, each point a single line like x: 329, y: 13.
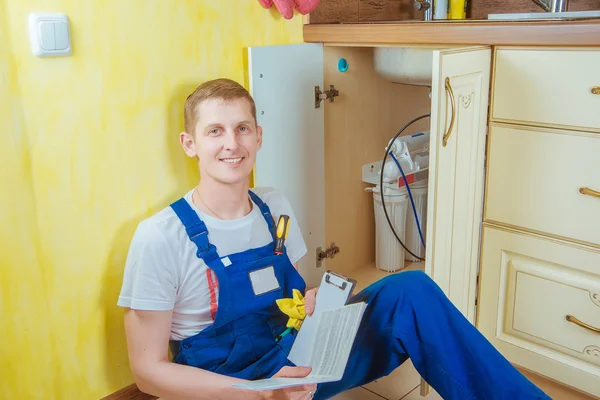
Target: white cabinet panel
x: 282, y: 81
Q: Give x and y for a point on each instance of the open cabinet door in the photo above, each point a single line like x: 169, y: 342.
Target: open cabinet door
x: 460, y: 88
x: 282, y: 82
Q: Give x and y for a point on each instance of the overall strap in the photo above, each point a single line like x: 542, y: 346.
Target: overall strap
x: 266, y: 212
x: 196, y: 230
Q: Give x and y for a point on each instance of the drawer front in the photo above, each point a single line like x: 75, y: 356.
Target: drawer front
x: 548, y: 87
x: 529, y: 285
x: 535, y: 177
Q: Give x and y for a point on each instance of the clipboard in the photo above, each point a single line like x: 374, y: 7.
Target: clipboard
x: 334, y: 292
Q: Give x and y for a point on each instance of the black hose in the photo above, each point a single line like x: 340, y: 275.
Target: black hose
x: 381, y: 190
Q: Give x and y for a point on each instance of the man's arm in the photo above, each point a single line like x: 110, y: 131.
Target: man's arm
x: 147, y: 340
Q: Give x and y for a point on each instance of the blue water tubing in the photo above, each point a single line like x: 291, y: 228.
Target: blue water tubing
x: 387, y: 217
x: 410, y: 196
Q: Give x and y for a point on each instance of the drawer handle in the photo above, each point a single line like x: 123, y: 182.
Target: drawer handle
x: 574, y: 320
x: 453, y: 117
x: 589, y: 192
x: 596, y: 90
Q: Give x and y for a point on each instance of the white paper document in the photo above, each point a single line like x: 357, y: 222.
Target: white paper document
x: 334, y: 292
x: 334, y: 335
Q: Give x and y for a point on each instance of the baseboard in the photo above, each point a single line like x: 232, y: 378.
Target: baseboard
x: 130, y: 392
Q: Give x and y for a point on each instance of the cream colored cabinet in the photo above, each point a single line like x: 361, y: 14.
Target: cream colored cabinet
x: 314, y: 150
x: 555, y: 87
x: 535, y: 180
x: 537, y: 297
x: 539, y: 288
x: 459, y: 120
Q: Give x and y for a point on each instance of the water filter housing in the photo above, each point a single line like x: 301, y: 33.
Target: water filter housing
x: 412, y: 153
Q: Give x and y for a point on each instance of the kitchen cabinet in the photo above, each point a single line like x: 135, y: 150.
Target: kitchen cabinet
x: 322, y: 123
x: 540, y: 264
x: 530, y: 285
x: 315, y: 153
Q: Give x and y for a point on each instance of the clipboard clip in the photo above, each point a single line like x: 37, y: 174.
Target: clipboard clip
x: 343, y: 287
x: 343, y: 278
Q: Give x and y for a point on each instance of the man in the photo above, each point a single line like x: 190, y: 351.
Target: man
x: 202, y: 275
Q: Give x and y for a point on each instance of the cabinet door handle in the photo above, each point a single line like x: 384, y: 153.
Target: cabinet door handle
x: 589, y: 192
x: 596, y: 90
x: 574, y: 320
x: 453, y: 117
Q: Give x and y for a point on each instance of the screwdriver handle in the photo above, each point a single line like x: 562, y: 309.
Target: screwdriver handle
x: 281, y: 233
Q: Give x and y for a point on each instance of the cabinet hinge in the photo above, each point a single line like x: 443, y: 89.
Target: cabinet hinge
x: 328, y: 94
x: 330, y: 252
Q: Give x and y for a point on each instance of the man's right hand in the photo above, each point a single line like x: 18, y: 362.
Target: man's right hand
x: 304, y: 392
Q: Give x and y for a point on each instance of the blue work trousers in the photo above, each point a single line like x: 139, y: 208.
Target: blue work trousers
x: 408, y: 315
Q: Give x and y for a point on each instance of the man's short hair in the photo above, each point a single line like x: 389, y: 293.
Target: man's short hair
x: 222, y: 89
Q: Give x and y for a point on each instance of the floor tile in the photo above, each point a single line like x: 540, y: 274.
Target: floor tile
x: 358, y: 394
x: 398, y: 384
x: 553, y: 389
x: 416, y: 395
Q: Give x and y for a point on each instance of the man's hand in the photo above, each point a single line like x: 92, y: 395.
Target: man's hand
x: 310, y: 300
x: 304, y: 392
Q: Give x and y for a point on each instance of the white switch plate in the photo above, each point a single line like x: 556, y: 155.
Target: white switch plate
x: 49, y: 34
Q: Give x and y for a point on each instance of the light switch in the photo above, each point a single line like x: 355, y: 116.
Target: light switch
x: 48, y: 42
x: 49, y: 34
x: 61, y: 34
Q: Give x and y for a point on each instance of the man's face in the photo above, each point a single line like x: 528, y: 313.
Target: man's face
x: 226, y: 140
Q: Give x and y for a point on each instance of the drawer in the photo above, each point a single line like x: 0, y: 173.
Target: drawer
x: 547, y: 87
x: 534, y: 180
x: 529, y: 285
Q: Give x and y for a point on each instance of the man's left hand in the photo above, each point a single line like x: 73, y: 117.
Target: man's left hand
x: 310, y: 300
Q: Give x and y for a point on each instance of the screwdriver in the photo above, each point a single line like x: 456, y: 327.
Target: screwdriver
x: 283, y: 227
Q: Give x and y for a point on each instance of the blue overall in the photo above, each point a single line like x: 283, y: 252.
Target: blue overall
x: 407, y: 315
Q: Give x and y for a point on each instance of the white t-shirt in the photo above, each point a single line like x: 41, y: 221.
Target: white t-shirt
x: 162, y: 271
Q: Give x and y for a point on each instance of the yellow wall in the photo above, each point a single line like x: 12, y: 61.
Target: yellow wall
x: 88, y: 146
